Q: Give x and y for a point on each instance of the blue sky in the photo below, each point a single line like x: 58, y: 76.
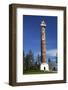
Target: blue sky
x: 32, y: 35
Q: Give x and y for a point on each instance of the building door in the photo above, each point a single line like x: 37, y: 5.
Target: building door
x: 44, y: 68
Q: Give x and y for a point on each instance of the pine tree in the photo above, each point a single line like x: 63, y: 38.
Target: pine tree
x: 38, y: 59
x: 49, y: 60
x: 56, y: 58
x: 27, y: 62
x: 31, y: 58
x: 24, y: 63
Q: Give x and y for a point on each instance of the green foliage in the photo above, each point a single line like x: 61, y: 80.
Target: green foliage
x: 37, y: 72
x: 31, y: 66
x: 28, y: 60
x: 49, y: 60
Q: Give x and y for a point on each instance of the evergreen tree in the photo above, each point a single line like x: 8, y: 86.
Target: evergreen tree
x: 49, y: 63
x: 37, y: 63
x: 38, y: 59
x: 56, y: 58
x: 27, y: 62
x: 49, y: 60
x: 24, y: 64
x: 31, y: 58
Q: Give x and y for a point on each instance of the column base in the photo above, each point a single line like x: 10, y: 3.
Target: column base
x: 44, y: 67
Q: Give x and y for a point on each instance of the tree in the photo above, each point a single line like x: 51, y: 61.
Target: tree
x: 49, y: 63
x: 27, y: 62
x: 31, y: 58
x: 49, y: 60
x: 37, y: 63
x: 56, y: 58
x: 38, y: 59
x: 24, y: 63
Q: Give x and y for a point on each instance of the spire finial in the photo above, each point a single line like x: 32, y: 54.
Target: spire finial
x: 43, y: 23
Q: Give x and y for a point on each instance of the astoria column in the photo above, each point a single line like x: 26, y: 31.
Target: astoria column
x: 43, y: 47
x: 44, y: 65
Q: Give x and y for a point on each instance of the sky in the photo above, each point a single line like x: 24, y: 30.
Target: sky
x: 32, y: 34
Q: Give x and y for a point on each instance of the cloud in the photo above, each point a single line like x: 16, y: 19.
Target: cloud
x: 51, y: 52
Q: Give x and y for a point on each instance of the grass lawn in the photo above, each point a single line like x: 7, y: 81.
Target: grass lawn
x: 38, y: 72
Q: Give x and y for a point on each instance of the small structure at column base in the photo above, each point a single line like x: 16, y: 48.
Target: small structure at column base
x: 44, y: 67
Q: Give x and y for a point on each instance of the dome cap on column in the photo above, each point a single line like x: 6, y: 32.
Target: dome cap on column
x: 43, y: 23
